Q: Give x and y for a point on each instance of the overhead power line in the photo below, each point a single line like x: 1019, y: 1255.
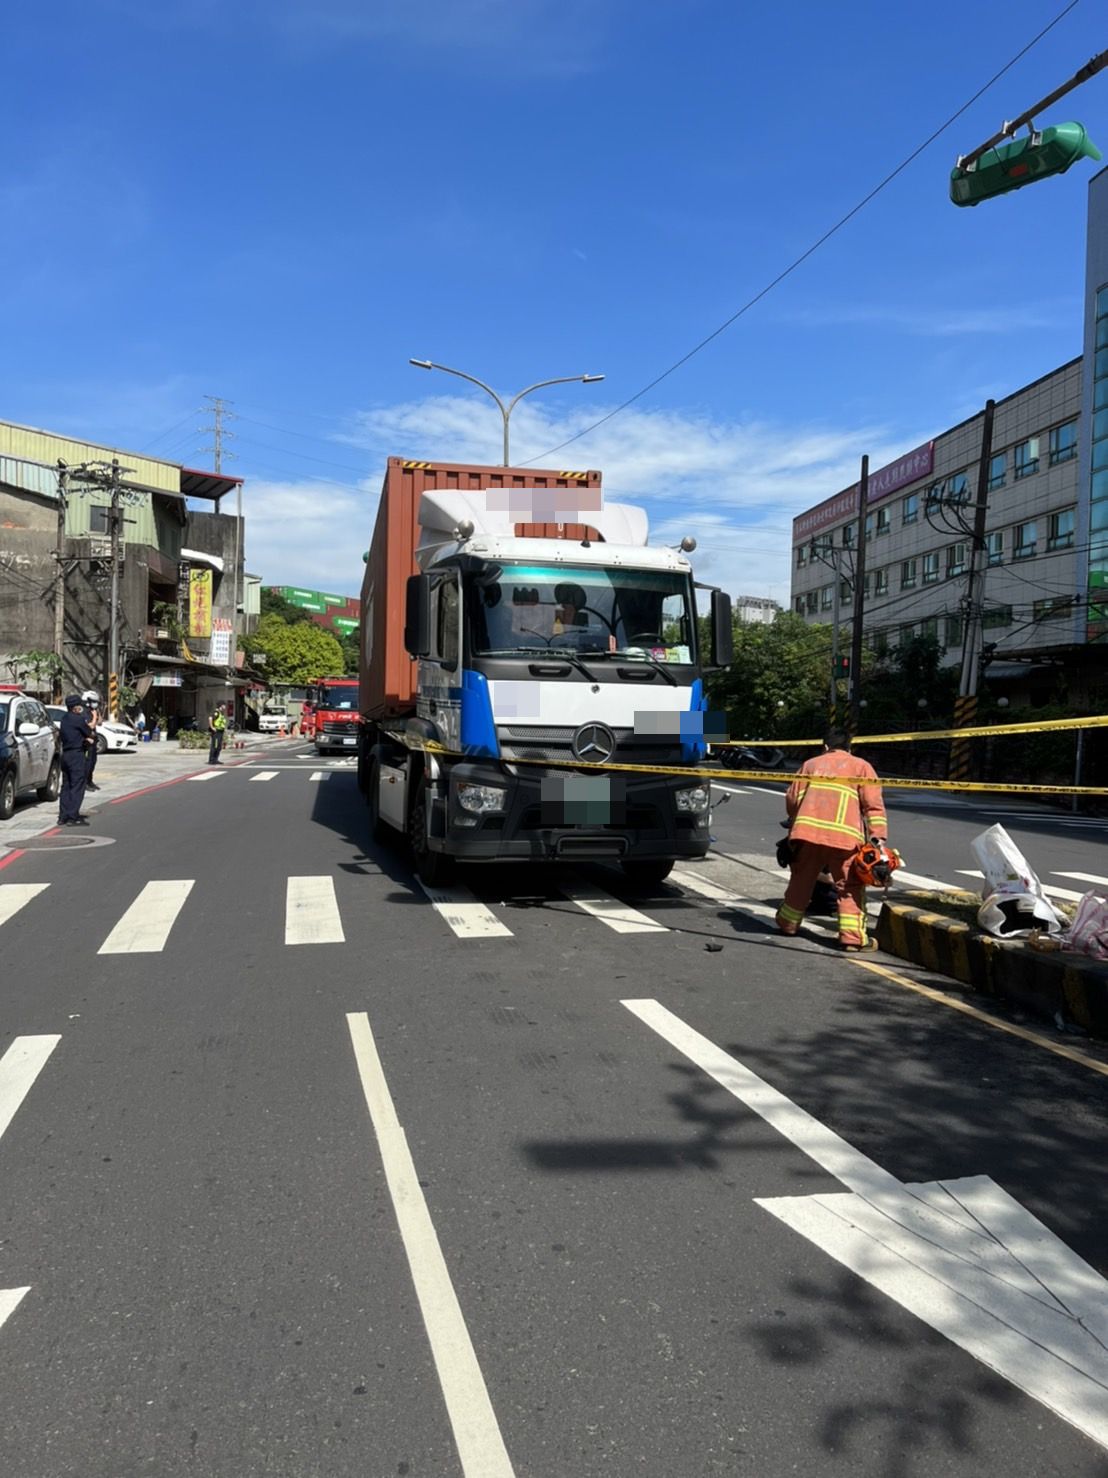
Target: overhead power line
x: 811, y: 250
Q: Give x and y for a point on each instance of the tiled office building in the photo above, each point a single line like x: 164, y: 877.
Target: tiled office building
x: 919, y: 516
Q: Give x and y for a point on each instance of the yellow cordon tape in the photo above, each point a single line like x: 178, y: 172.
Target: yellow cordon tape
x: 432, y: 746
x: 984, y: 731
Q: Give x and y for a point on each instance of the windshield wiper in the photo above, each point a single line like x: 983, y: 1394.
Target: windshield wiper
x: 549, y: 654
x: 641, y: 656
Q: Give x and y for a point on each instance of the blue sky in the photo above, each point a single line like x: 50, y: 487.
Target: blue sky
x: 280, y: 201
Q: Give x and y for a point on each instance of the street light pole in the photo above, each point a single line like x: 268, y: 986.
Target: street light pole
x: 505, y: 410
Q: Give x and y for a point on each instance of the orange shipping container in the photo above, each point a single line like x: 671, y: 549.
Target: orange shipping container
x: 388, y: 674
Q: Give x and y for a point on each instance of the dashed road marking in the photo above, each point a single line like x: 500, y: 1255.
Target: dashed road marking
x: 263, y: 775
x: 312, y: 912
x: 618, y: 916
x: 19, y: 1067
x: 1064, y: 893
x: 208, y: 775
x: 14, y: 896
x: 145, y: 926
x: 468, y: 918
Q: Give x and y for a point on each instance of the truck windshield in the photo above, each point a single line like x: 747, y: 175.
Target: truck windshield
x: 333, y: 698
x: 593, y: 611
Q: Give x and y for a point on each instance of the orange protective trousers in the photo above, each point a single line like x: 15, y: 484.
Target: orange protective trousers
x: 809, y: 860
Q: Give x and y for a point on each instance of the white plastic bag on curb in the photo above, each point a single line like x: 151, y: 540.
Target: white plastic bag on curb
x: 1088, y: 933
x: 1014, y: 899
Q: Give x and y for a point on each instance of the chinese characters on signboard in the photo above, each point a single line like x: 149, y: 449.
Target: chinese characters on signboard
x: 200, y: 603
x: 885, y: 480
x: 220, y: 651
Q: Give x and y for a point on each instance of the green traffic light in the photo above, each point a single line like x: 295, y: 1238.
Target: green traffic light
x: 1023, y: 161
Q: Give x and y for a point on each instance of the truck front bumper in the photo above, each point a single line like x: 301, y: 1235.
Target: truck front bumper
x: 567, y: 815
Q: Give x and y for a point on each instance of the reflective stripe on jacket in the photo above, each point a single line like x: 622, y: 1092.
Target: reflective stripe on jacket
x: 827, y: 804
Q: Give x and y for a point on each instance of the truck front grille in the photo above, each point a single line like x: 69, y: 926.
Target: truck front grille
x: 547, y: 742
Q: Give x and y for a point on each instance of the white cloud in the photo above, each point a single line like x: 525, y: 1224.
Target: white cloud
x: 734, y: 485
x: 927, y: 323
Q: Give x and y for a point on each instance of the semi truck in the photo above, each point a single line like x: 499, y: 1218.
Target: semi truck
x: 518, y: 634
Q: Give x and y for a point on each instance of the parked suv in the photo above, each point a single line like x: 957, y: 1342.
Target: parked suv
x: 29, y: 751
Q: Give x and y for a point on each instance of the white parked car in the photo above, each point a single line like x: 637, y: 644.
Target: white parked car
x: 112, y: 735
x: 273, y: 718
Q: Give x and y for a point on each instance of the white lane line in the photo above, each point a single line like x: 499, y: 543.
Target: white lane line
x: 476, y: 1431
x: 1083, y: 877
x: 707, y: 888
x: 316, y: 775
x: 10, y: 1299
x: 468, y: 918
x: 618, y: 916
x: 263, y: 775
x: 208, y: 775
x: 144, y: 928
x: 19, y: 1067
x: 312, y: 912
x: 1065, y: 893
x: 921, y: 880
x: 14, y: 896
x: 731, y: 789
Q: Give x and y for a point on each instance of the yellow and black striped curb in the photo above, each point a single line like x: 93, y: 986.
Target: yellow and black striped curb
x: 1008, y: 969
x: 781, y: 777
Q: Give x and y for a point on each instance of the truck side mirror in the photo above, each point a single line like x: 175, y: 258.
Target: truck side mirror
x: 723, y: 641
x: 417, y: 616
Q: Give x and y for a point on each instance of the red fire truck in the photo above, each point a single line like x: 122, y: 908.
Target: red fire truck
x: 335, y: 714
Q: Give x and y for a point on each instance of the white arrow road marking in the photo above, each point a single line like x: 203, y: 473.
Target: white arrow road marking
x: 468, y: 918
x: 14, y: 896
x: 476, y: 1431
x: 19, y: 1067
x: 618, y: 916
x: 312, y: 912
x: 962, y: 1255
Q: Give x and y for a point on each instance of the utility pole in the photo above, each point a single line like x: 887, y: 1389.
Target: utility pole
x: 220, y: 415
x: 115, y: 518
x: 59, y: 555
x: 859, y: 601
x: 965, y: 705
x: 827, y: 554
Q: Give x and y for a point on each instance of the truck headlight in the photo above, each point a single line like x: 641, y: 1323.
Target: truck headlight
x: 481, y: 800
x: 695, y: 800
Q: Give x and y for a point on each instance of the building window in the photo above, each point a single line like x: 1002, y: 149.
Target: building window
x: 957, y: 488
x: 869, y: 527
x: 849, y: 530
x: 953, y: 636
x: 994, y: 616
x: 996, y: 547
x: 99, y: 519
x: 1063, y: 443
x: 931, y: 568
x: 845, y: 591
x: 882, y: 521
x: 910, y: 508
x: 880, y: 582
x: 801, y: 556
x: 930, y: 627
x: 826, y: 596
x: 998, y: 470
x: 907, y: 632
x: 1027, y: 457
x: 1027, y: 538
x: 800, y: 605
x: 955, y: 560
x: 879, y: 642
x: 908, y: 574
x: 812, y: 602
x: 1061, y: 529
x: 1049, y: 610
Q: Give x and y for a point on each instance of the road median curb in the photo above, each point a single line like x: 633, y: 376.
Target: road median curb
x: 1045, y: 982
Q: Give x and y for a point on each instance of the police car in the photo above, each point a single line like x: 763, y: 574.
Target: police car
x: 29, y: 750
x: 111, y: 734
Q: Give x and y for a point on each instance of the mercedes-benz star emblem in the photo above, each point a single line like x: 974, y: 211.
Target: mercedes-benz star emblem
x: 594, y: 743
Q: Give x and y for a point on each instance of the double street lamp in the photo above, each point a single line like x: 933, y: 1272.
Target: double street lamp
x: 505, y: 410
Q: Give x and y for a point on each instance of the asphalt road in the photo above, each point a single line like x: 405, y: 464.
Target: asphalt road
x: 195, y: 1187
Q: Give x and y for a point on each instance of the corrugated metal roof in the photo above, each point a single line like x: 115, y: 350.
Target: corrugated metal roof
x: 32, y: 477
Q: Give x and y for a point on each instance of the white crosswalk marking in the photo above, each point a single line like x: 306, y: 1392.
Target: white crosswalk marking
x: 312, y: 912
x: 468, y: 918
x: 145, y: 927
x: 14, y: 896
x: 263, y: 775
x: 1064, y: 893
x: 10, y: 1299
x: 618, y: 916
x: 1084, y: 877
x: 316, y: 775
x: 208, y: 775
x: 708, y: 888
x: 19, y: 1067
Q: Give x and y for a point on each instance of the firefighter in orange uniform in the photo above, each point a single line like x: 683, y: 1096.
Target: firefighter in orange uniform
x: 834, y: 805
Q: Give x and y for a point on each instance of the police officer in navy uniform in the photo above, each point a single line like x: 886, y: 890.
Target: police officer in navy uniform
x: 91, y: 704
x: 76, y: 735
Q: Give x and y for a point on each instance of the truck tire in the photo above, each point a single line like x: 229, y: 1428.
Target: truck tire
x: 432, y: 868
x: 52, y: 789
x: 7, y: 795
x: 646, y: 875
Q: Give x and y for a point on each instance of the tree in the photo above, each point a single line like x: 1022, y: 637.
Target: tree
x: 43, y: 668
x: 275, y: 604
x: 777, y: 685
x: 349, y: 642
x: 298, y: 653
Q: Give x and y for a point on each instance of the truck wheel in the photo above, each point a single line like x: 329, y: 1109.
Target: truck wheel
x: 432, y: 868
x: 51, y: 790
x: 7, y: 796
x: 646, y: 875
